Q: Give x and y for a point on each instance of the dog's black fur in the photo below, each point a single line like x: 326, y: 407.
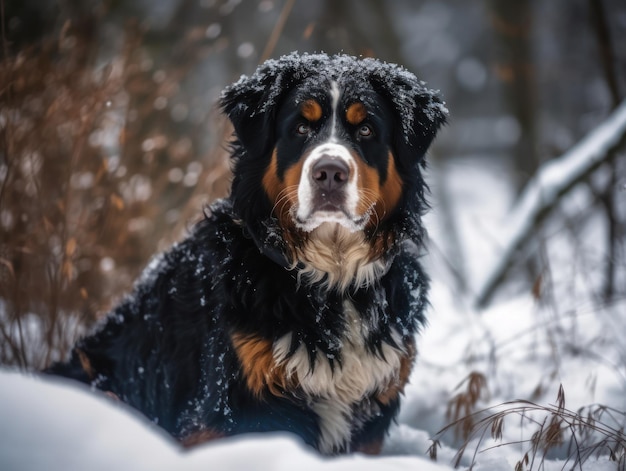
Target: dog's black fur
x: 265, y: 319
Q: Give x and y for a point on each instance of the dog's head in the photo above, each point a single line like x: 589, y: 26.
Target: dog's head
x: 331, y: 142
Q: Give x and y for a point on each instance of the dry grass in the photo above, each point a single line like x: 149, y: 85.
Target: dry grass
x: 463, y: 404
x: 93, y: 176
x: 573, y: 436
x: 51, y: 105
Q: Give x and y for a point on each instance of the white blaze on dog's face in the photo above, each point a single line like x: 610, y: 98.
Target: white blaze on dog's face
x: 328, y: 189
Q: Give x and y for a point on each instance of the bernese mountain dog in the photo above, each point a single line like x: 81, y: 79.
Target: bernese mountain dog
x: 294, y: 304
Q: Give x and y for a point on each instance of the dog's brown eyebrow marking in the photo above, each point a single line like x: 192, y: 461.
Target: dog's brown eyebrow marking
x: 356, y: 113
x: 311, y: 110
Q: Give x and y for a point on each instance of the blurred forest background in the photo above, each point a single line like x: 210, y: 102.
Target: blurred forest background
x: 110, y: 144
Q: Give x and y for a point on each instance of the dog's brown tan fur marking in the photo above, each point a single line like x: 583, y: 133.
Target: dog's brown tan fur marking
x: 369, y: 186
x: 282, y: 193
x: 311, y: 110
x: 356, y: 113
x: 271, y: 183
x: 259, y: 367
x: 397, y: 386
x: 391, y: 190
x: 385, y: 197
x: 198, y: 438
x: 371, y: 448
x: 85, y: 363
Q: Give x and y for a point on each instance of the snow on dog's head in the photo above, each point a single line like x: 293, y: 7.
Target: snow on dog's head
x: 330, y: 149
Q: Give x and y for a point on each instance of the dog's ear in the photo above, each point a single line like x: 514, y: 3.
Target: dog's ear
x: 243, y: 102
x: 428, y: 115
x: 250, y: 103
x: 420, y: 112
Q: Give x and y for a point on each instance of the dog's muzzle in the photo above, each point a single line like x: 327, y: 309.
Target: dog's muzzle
x: 328, y: 189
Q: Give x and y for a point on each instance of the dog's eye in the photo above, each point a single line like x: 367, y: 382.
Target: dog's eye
x: 365, y: 131
x: 303, y: 129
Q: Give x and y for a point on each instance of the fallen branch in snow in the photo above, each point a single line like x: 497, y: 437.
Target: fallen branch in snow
x: 553, y: 179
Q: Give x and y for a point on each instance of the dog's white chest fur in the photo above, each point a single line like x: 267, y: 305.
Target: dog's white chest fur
x: 336, y: 391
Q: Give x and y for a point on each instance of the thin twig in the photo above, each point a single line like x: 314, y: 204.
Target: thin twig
x: 277, y: 31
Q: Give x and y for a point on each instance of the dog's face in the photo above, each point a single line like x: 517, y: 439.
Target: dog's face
x: 333, y: 159
x: 331, y: 142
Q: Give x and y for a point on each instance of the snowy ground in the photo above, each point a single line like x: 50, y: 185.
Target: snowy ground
x: 524, y: 348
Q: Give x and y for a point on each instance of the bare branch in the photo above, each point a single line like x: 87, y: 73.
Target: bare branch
x: 553, y: 179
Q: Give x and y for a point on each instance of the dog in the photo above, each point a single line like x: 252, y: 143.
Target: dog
x: 294, y: 304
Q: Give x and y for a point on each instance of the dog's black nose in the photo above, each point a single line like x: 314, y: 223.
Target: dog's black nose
x: 330, y: 174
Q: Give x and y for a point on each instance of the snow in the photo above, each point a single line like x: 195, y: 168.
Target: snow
x: 51, y: 424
